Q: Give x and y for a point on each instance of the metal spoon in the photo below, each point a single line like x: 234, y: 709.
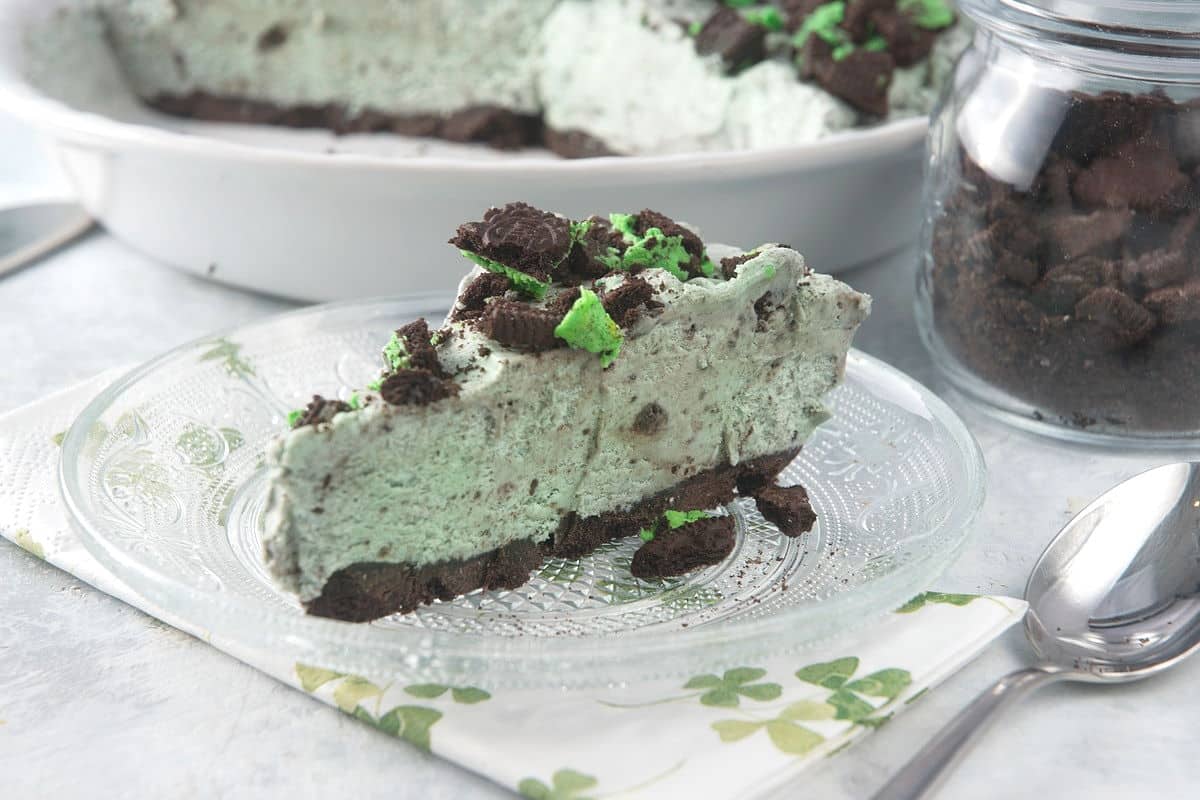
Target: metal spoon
x: 1114, y: 598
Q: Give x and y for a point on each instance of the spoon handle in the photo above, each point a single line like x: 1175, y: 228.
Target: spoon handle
x: 923, y: 771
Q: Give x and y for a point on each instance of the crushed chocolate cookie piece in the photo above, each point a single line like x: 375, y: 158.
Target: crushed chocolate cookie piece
x: 562, y: 302
x: 421, y: 352
x: 575, y: 144
x: 271, y: 38
x: 518, y: 236
x: 647, y: 218
x: 1096, y: 125
x: 857, y: 16
x: 787, y: 508
x: 1053, y: 184
x: 595, y: 253
x: 416, y: 387
x: 1073, y: 235
x: 861, y: 77
x: 730, y: 264
x: 471, y: 303
x: 1154, y: 270
x: 681, y: 550
x: 1182, y: 235
x: 907, y: 42
x: 1177, y: 304
x: 1018, y: 268
x: 626, y: 302
x: 520, y: 325
x: 651, y: 420
x: 1016, y: 312
x: 320, y: 410
x: 1013, y: 235
x: 739, y: 42
x: 497, y: 127
x: 1118, y: 313
x: 763, y: 307
x: 1138, y: 175
x: 1062, y: 287
x: 760, y: 472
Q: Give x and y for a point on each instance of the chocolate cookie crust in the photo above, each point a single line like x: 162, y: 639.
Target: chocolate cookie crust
x: 370, y: 590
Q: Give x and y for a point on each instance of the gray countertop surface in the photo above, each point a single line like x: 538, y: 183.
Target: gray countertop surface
x: 100, y: 700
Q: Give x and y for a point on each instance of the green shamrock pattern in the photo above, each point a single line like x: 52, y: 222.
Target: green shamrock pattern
x: 565, y: 784
x: 922, y: 599
x: 736, y: 683
x: 847, y: 701
x: 848, y: 695
x: 411, y: 723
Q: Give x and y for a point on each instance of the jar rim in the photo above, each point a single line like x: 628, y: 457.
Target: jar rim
x: 1146, y: 27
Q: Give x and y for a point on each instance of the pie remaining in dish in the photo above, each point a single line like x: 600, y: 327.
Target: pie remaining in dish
x: 583, y: 77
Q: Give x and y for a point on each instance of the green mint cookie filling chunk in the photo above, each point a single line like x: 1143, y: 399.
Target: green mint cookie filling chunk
x: 656, y: 250
x: 646, y: 535
x: 929, y: 14
x: 677, y: 519
x: 587, y: 326
x: 876, y: 44
x: 294, y: 416
x: 395, y: 353
x: 624, y: 224
x: 824, y: 22
x: 525, y: 284
x: 768, y: 17
x: 580, y: 229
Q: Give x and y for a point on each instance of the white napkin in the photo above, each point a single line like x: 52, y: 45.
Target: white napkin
x: 716, y: 736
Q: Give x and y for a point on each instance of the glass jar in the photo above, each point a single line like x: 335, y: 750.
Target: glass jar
x: 1060, y: 282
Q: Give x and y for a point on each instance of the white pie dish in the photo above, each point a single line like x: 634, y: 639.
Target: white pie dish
x: 270, y: 209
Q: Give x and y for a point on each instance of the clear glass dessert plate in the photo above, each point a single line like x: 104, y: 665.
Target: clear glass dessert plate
x: 164, y: 478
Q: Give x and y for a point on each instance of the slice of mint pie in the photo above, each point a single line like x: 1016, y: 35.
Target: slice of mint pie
x: 595, y: 379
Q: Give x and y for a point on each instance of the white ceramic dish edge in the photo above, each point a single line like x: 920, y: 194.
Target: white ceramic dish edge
x: 284, y: 220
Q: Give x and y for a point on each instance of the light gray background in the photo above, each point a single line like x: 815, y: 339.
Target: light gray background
x: 99, y: 700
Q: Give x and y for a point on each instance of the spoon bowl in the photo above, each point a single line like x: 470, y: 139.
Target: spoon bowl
x: 1115, y: 597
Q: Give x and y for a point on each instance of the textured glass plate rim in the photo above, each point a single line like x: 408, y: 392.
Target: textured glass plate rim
x: 351, y: 646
